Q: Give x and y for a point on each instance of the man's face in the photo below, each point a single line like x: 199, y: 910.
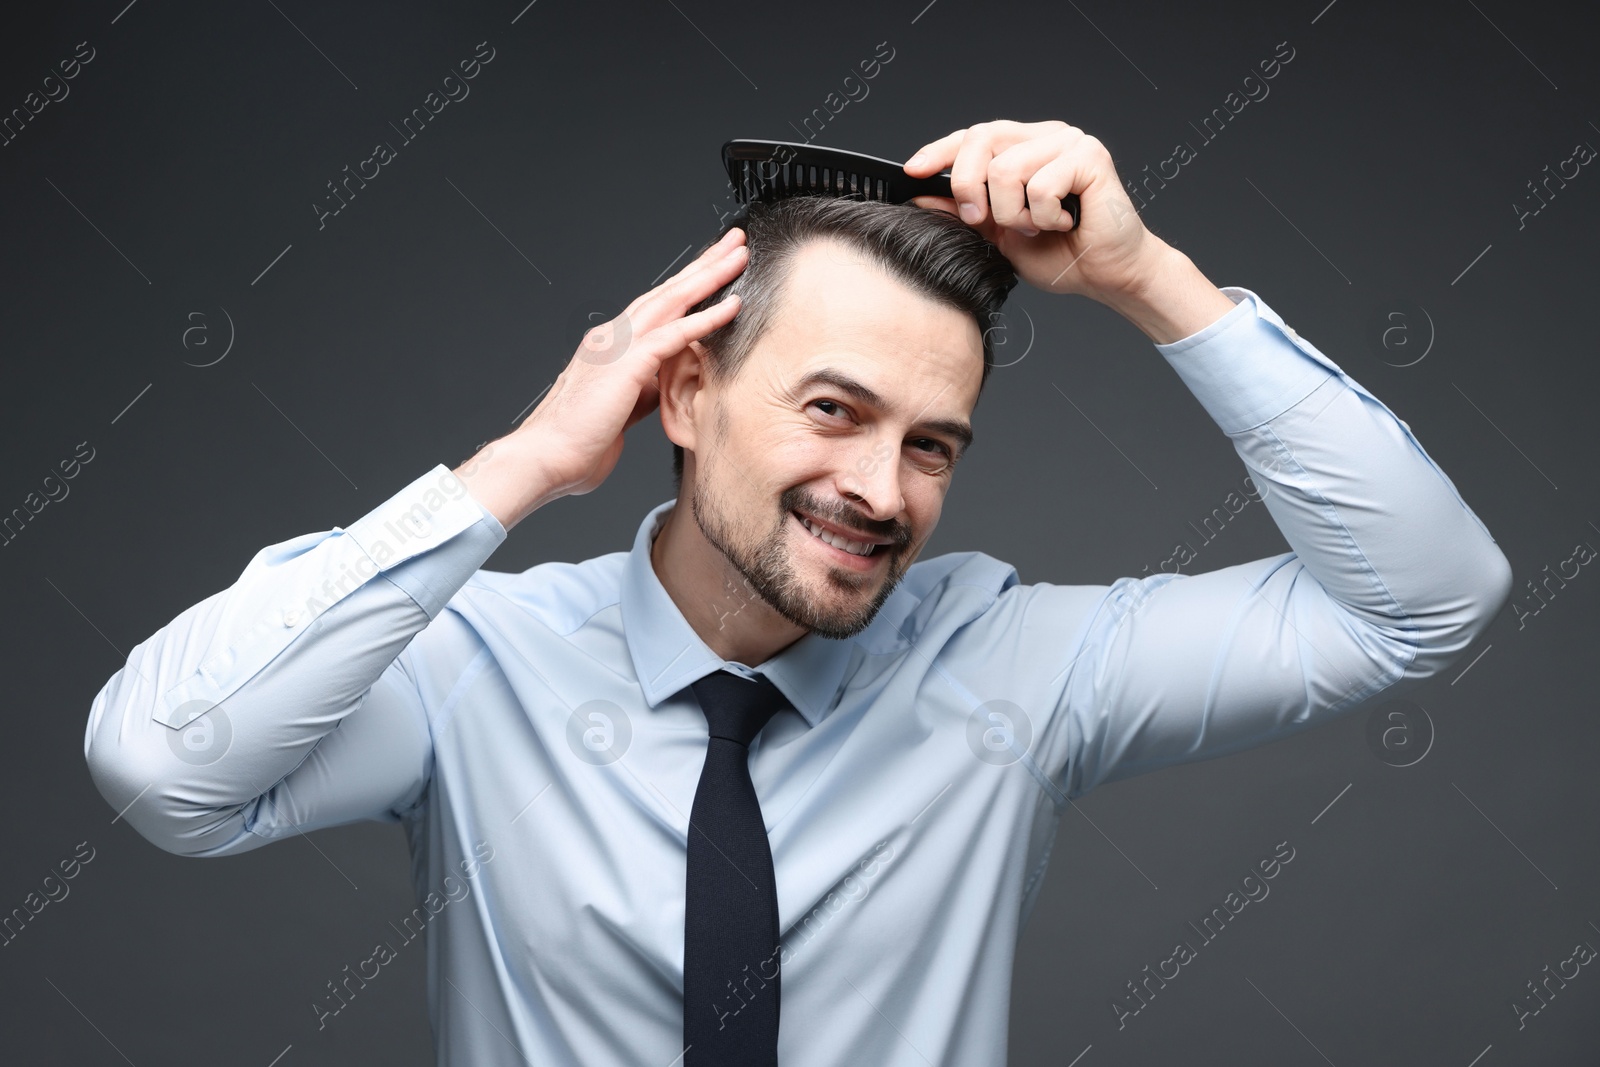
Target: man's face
x: 848, y: 411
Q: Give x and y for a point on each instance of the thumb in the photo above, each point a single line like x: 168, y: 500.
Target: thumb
x: 936, y: 203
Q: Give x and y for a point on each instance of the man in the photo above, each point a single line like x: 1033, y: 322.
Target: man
x: 546, y: 733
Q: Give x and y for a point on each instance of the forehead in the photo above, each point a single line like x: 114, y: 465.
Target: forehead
x: 839, y: 307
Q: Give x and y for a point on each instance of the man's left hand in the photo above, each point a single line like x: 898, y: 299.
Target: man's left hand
x: 1107, y: 256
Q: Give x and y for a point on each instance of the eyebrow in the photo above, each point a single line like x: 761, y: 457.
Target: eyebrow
x: 956, y: 428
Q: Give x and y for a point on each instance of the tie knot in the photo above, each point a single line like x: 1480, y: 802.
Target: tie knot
x: 736, y: 707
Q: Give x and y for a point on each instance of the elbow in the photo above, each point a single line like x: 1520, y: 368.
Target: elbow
x: 1478, y: 593
x: 144, y: 789
x: 1498, y: 584
x: 172, y: 786
x: 1486, y: 586
x: 126, y: 783
x: 132, y: 786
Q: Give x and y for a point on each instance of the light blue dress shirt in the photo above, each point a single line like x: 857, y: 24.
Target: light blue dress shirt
x: 533, y: 735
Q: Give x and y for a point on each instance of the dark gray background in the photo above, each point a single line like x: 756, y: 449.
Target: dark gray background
x: 428, y: 315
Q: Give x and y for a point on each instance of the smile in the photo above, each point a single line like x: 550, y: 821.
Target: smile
x: 838, y: 541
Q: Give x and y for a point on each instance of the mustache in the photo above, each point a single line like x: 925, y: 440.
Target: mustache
x: 796, y: 500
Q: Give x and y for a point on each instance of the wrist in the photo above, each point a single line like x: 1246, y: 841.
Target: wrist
x: 1170, y: 298
x: 508, y: 479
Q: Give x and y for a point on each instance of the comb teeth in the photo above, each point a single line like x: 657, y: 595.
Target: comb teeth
x: 790, y: 179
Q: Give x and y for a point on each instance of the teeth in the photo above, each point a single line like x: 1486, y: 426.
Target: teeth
x: 857, y: 548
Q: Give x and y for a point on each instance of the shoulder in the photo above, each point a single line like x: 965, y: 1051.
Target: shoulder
x: 978, y: 571
x: 561, y: 596
x: 940, y: 596
x: 942, y: 593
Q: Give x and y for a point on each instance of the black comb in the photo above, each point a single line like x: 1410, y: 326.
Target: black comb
x: 774, y: 170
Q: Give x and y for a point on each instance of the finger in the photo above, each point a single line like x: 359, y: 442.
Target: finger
x: 672, y: 298
x: 674, y: 336
x: 628, y: 329
x: 1010, y: 172
x: 1072, y: 172
x: 969, y: 174
x: 935, y: 155
x: 970, y: 179
x: 935, y: 203
x: 712, y: 254
x: 734, y: 233
x: 938, y: 154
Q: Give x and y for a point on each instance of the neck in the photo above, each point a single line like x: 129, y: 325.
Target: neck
x: 714, y: 597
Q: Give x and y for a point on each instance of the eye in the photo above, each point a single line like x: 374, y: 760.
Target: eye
x: 830, y: 403
x: 935, y: 459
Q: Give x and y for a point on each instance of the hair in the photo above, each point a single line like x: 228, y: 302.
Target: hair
x: 931, y: 251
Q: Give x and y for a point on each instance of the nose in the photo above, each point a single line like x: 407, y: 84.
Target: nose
x: 871, y: 480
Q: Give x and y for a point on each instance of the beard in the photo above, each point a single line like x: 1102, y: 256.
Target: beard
x: 767, y: 564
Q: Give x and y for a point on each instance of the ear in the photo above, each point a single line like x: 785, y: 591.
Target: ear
x: 681, y: 380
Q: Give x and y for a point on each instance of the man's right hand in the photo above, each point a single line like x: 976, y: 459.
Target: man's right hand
x: 571, y: 442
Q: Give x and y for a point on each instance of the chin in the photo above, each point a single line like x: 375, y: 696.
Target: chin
x: 837, y: 604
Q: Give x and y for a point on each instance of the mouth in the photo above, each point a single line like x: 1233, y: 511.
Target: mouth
x: 857, y: 553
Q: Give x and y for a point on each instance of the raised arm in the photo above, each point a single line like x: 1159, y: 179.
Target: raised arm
x: 293, y: 700
x: 1391, y: 575
x: 285, y: 702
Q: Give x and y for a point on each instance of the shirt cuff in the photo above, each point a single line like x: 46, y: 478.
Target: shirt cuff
x: 1248, y: 367
x: 287, y: 587
x: 431, y: 510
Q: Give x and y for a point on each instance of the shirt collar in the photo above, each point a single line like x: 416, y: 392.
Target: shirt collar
x: 668, y: 655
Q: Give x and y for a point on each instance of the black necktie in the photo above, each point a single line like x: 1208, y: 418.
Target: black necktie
x: 730, y: 930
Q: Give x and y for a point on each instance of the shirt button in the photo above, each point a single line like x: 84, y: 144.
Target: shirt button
x: 291, y: 617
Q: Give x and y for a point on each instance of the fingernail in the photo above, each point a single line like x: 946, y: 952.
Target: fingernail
x: 970, y: 212
x: 1027, y: 231
x: 915, y: 158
